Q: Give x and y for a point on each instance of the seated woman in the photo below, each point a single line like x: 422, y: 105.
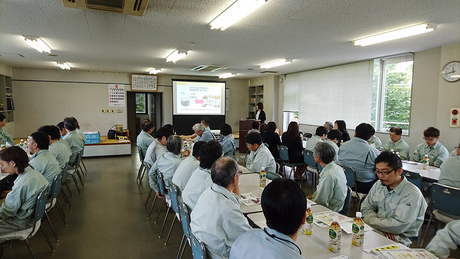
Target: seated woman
x: 167, y: 164
x: 19, y: 204
x: 291, y: 139
x: 342, y: 126
x: 226, y: 140
x: 272, y: 139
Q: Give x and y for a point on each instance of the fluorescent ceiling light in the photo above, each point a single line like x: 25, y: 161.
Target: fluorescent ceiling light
x: 455, y: 76
x: 227, y: 75
x: 276, y: 63
x: 154, y: 71
x: 234, y: 13
x: 38, y: 44
x: 175, y: 56
x: 393, y: 35
x: 63, y: 65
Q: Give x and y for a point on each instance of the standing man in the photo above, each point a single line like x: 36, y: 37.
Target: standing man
x: 57, y: 147
x: 217, y: 219
x: 42, y: 160
x: 436, y: 152
x: 282, y: 199
x: 359, y: 155
x: 260, y: 156
x: 76, y: 143
x: 397, y: 144
x: 144, y: 139
x: 4, y: 136
x: 394, y: 206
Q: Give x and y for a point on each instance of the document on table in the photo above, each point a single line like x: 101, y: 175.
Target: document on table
x: 324, y: 219
x: 250, y: 198
x: 395, y: 251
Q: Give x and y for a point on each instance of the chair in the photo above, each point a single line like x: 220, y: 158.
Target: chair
x: 63, y: 181
x: 273, y: 176
x: 444, y: 198
x: 350, y: 174
x: 284, y: 156
x: 346, y: 205
x: 83, y: 164
x: 310, y: 162
x: 198, y: 248
x: 76, y: 171
x: 142, y: 168
x: 184, y: 212
x: 26, y: 234
x: 163, y: 192
x: 414, y: 178
x: 52, y: 201
x: 174, y: 192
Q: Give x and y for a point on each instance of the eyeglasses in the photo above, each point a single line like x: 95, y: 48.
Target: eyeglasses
x: 387, y: 173
x: 429, y: 139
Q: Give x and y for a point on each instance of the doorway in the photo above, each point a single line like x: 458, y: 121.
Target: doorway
x: 142, y: 106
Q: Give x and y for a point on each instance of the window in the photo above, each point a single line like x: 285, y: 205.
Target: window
x: 375, y: 91
x: 391, y: 98
x: 141, y: 103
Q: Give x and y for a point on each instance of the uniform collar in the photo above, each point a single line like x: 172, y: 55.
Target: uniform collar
x: 285, y: 239
x: 400, y: 187
x: 230, y: 196
x: 38, y: 153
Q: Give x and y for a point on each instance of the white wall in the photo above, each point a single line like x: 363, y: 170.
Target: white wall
x: 45, y: 96
x: 432, y: 98
x: 271, y: 86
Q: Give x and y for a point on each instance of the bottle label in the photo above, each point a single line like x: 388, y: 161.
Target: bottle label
x: 310, y: 219
x: 355, y: 228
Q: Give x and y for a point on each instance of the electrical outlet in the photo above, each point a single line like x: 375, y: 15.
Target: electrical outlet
x: 113, y: 111
x: 104, y: 111
x: 119, y: 110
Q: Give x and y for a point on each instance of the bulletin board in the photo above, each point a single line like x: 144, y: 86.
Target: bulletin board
x: 144, y: 83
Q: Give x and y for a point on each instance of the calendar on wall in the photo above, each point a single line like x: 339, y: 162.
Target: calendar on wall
x: 144, y: 83
x: 116, y: 95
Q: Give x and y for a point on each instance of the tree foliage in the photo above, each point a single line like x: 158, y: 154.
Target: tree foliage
x: 140, y: 103
x: 397, y: 97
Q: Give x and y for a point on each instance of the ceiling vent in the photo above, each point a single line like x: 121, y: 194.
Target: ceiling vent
x: 269, y: 72
x: 208, y: 68
x: 128, y: 7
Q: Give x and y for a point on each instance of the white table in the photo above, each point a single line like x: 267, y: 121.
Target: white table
x: 317, y: 244
x: 432, y: 173
x: 249, y: 182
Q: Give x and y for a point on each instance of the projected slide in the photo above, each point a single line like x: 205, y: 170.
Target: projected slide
x: 198, y: 98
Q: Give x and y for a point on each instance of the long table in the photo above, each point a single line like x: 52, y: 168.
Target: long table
x: 317, y: 244
x: 431, y: 173
x: 249, y: 182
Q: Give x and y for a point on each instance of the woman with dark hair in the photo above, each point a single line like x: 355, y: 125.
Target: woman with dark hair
x: 342, y: 127
x: 19, y: 204
x: 291, y: 139
x: 272, y: 138
x: 260, y: 114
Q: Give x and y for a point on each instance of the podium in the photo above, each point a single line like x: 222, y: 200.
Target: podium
x: 245, y: 126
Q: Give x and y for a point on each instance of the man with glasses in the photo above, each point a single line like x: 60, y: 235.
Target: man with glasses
x: 394, y: 207
x: 397, y: 144
x: 436, y: 152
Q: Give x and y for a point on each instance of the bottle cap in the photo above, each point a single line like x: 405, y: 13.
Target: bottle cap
x: 335, y: 219
x: 262, y: 169
x: 308, y: 206
x: 358, y: 214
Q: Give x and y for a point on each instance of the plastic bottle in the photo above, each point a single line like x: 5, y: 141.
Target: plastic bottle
x: 397, y: 153
x: 357, y: 238
x: 263, y: 177
x: 341, y: 142
x: 2, y: 147
x: 308, y: 227
x: 392, y: 151
x: 426, y: 162
x: 335, y: 236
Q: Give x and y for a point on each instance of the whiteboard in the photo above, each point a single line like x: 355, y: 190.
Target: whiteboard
x: 144, y: 83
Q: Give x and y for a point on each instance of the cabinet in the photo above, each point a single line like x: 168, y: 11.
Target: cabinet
x: 256, y: 95
x: 6, y: 97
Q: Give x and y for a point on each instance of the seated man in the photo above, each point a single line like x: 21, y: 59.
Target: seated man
x: 144, y: 139
x: 188, y: 166
x: 202, y: 134
x: 394, y: 206
x: 166, y: 164
x: 57, y: 147
x: 319, y: 136
x: 436, y: 152
x: 226, y: 140
x: 217, y: 219
x: 397, y: 144
x: 19, y: 206
x: 331, y: 191
x: 158, y: 146
x: 455, y: 152
x: 333, y: 138
x: 76, y: 143
x: 62, y: 130
x: 446, y: 239
x: 328, y: 125
x: 42, y: 160
x: 282, y: 199
x: 205, y: 122
x: 450, y: 174
x: 374, y: 140
x: 80, y: 132
x: 260, y: 155
x: 254, y: 127
x: 4, y: 136
x: 359, y: 155
x: 201, y: 177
